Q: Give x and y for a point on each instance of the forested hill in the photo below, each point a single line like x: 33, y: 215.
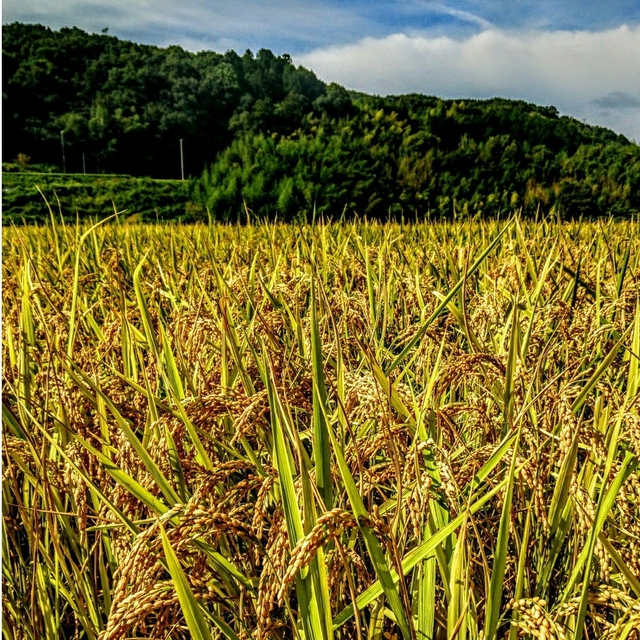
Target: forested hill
x: 274, y: 138
x: 127, y: 105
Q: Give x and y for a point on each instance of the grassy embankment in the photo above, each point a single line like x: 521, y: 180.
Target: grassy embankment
x: 92, y: 196
x: 239, y: 431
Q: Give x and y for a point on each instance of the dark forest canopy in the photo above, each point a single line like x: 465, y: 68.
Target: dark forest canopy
x: 127, y: 105
x: 271, y: 136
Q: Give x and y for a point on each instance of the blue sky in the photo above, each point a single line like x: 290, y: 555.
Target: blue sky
x: 583, y: 57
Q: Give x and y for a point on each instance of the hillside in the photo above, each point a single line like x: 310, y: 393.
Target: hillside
x: 262, y: 133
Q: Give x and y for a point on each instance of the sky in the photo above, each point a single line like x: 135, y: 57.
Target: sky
x: 582, y: 57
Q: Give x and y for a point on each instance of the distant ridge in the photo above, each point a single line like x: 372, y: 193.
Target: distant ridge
x: 272, y: 137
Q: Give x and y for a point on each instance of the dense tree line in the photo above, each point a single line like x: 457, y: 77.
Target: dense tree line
x: 275, y: 140
x: 412, y: 154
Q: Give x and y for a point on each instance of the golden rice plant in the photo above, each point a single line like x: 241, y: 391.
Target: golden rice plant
x: 366, y: 430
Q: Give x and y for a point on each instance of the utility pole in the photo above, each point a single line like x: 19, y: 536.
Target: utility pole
x: 84, y: 164
x: 64, y: 161
x: 181, y: 160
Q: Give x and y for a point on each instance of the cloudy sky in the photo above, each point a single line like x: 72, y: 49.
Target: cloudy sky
x: 581, y: 56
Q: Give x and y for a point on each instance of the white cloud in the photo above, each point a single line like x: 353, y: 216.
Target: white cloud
x: 465, y: 16
x: 573, y: 70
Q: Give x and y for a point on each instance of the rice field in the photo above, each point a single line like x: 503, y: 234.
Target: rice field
x: 363, y: 431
